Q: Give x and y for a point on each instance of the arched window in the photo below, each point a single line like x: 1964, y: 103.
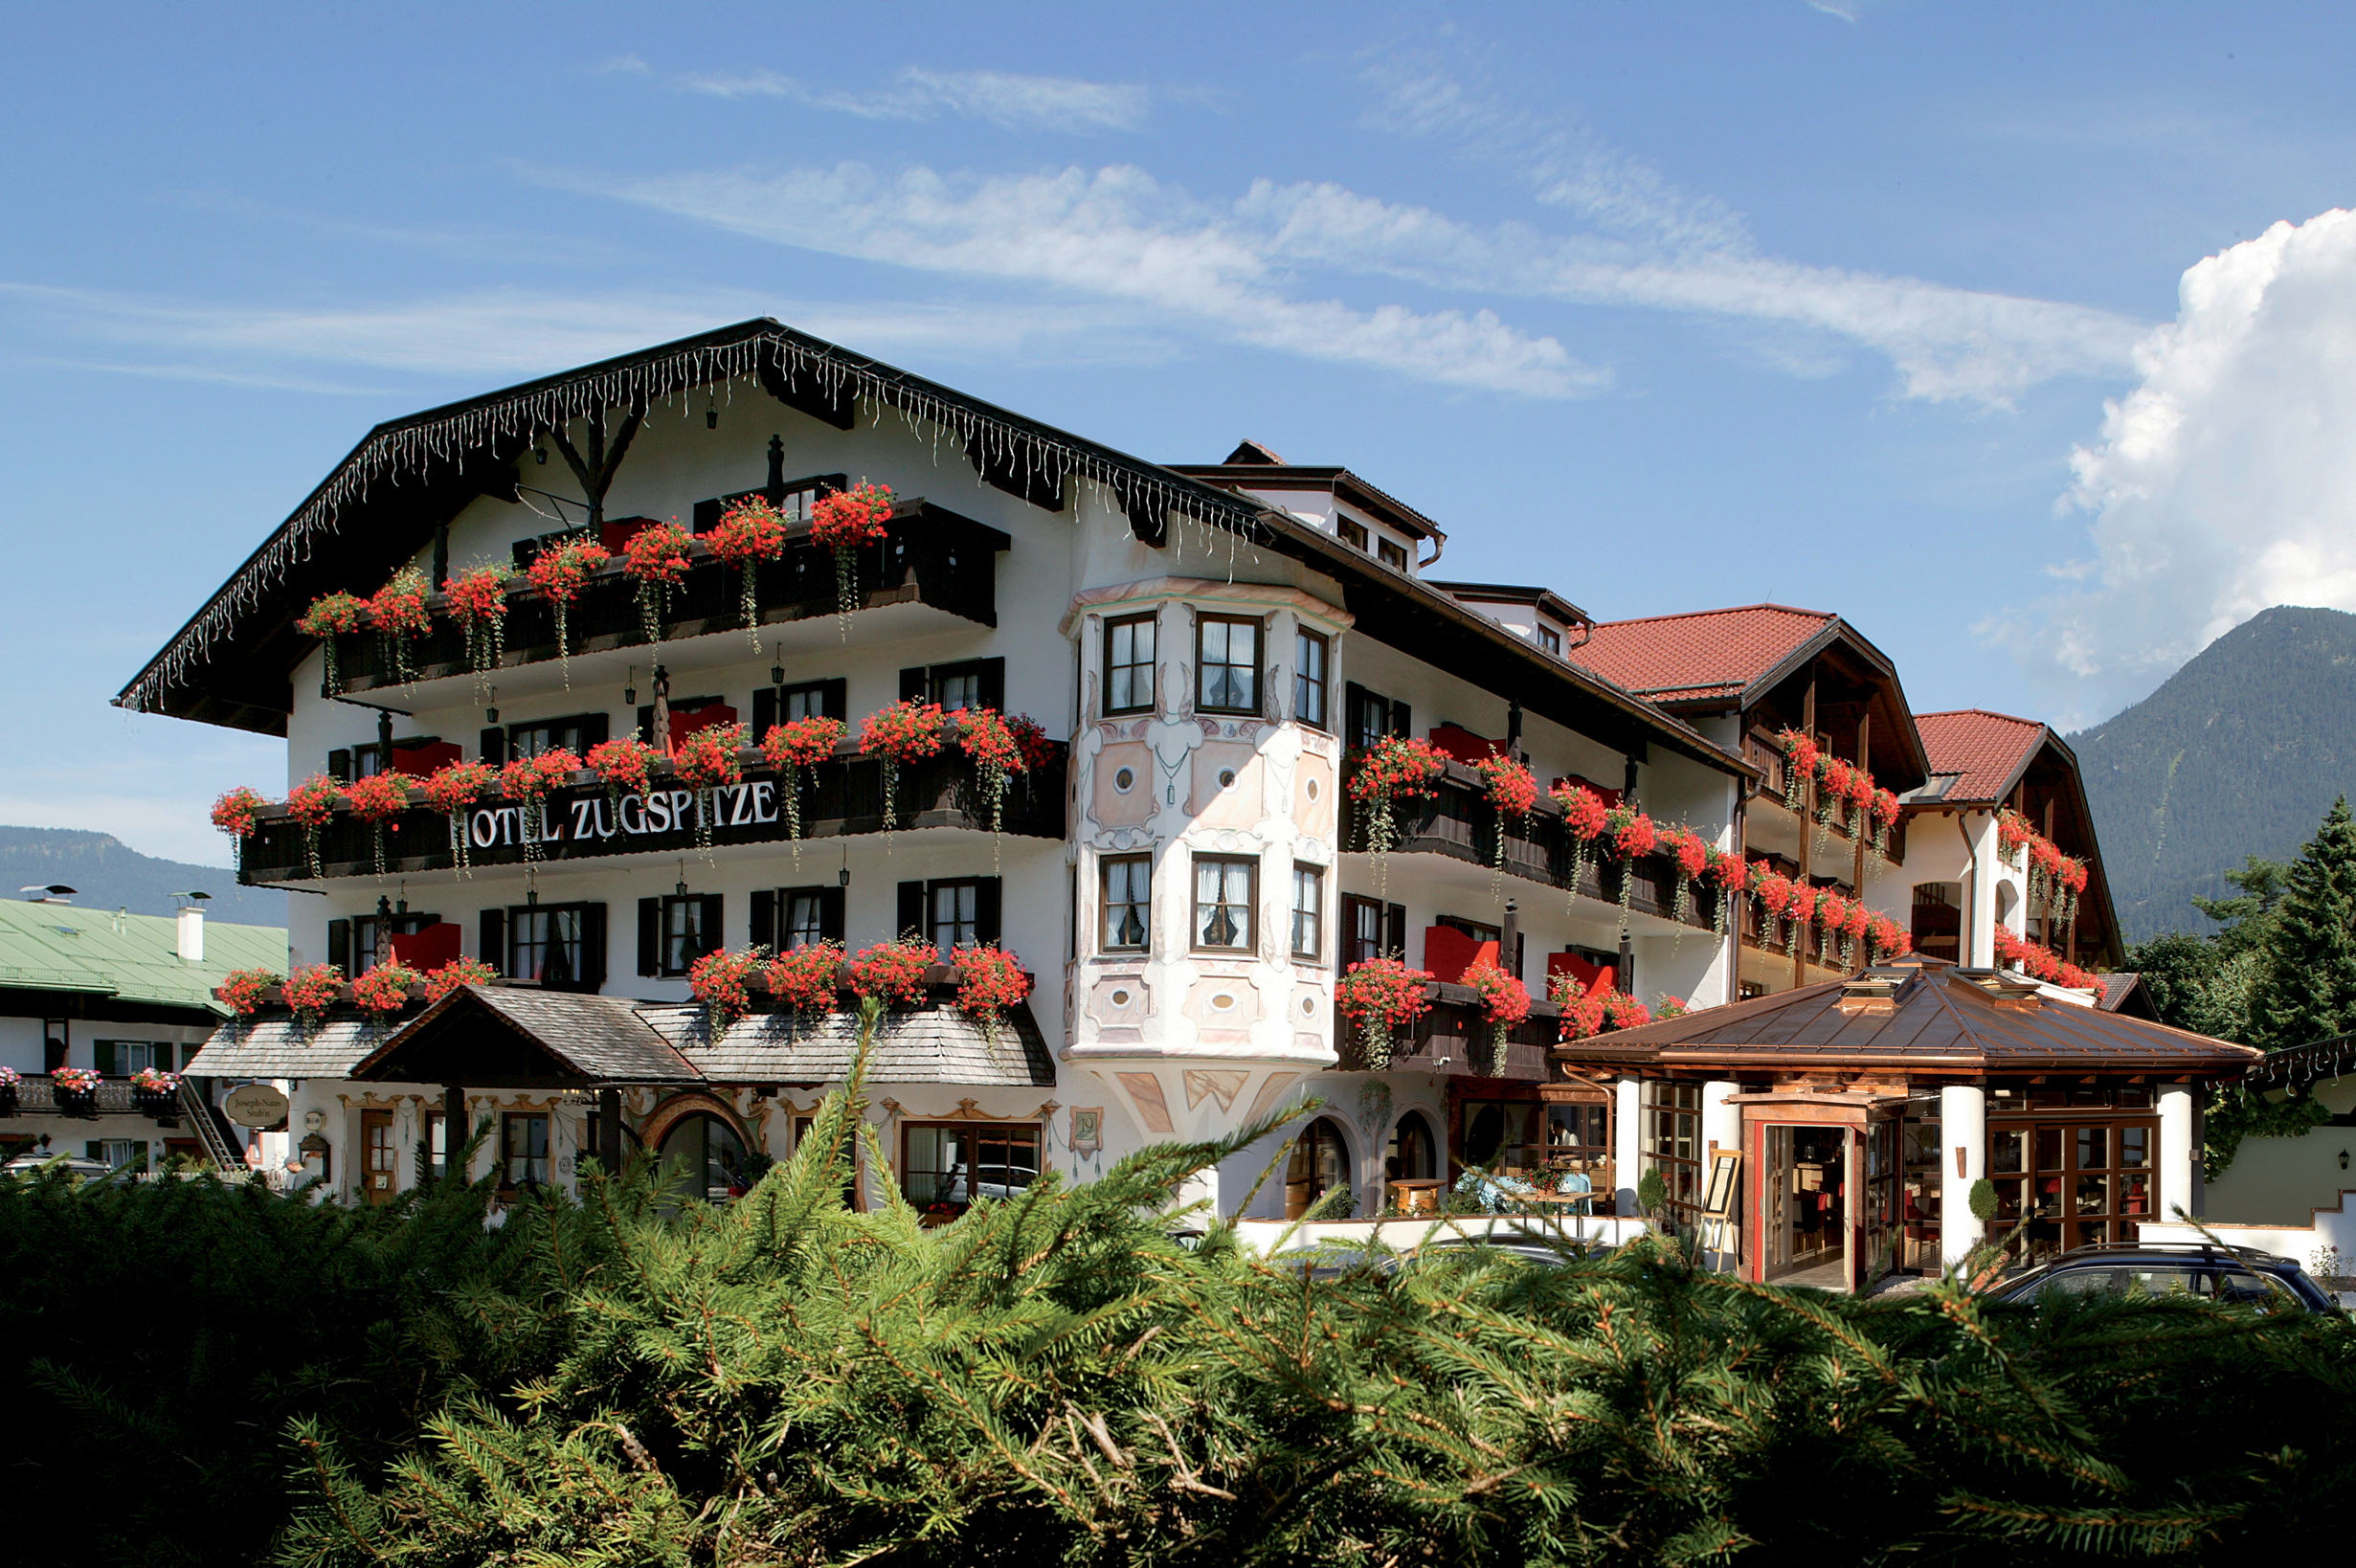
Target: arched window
x: 707, y: 1144
x: 1320, y: 1163
x: 1413, y: 1154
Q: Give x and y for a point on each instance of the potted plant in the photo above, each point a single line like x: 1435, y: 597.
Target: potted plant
x: 310, y: 991
x: 453, y: 791
x: 477, y: 599
x: 1393, y: 769
x: 237, y: 812
x: 704, y: 761
x: 1504, y: 1002
x: 1513, y: 792
x: 623, y: 765
x: 656, y: 559
x: 747, y: 534
x: 458, y: 971
x: 76, y: 1090
x: 990, y: 980
x: 331, y: 615
x: 790, y: 748
x: 988, y: 741
x: 378, y: 801
x: 842, y: 523
x: 528, y: 780
x: 10, y: 1090
x: 155, y: 1092
x: 401, y: 618
x: 893, y: 972
x: 906, y: 732
x: 560, y: 572
x: 1583, y: 821
x: 719, y: 980
x: 1632, y: 838
x: 804, y: 978
x: 1380, y: 997
x: 310, y: 803
x: 384, y: 991
x: 243, y: 989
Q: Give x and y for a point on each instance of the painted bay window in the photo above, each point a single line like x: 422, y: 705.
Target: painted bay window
x: 1225, y: 895
x: 1128, y: 903
x: 1228, y: 665
x: 1129, y: 664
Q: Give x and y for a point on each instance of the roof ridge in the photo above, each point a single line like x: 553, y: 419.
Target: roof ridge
x: 1722, y: 610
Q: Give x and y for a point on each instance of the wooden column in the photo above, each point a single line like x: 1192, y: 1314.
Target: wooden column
x: 1807, y: 817
x: 1860, y: 822
x: 1741, y: 901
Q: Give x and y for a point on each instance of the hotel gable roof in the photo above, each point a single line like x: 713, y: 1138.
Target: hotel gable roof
x: 1757, y: 661
x: 232, y: 663
x: 1914, y: 1017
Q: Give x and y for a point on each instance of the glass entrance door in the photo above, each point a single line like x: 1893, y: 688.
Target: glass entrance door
x: 376, y: 1157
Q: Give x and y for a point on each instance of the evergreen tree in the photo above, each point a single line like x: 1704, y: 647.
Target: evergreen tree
x: 2309, y: 986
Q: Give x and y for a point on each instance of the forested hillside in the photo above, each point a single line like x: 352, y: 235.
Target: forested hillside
x: 106, y: 874
x: 2240, y: 754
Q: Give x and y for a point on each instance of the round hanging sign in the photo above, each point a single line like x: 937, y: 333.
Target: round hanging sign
x: 256, y: 1105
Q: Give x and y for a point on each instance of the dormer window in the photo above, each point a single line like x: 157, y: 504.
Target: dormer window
x: 1394, y: 556
x: 1550, y: 641
x: 1353, y: 534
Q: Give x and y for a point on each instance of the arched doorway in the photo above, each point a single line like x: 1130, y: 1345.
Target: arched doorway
x: 1414, y: 1154
x: 1320, y: 1163
x: 707, y: 1145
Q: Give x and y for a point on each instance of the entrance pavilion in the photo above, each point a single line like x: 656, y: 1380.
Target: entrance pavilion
x: 1864, y: 1111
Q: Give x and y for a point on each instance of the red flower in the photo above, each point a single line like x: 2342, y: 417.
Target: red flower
x: 332, y: 615
x: 718, y: 981
x: 1513, y: 789
x: 530, y: 778
x: 1396, y: 766
x: 1633, y: 832
x: 893, y: 970
x: 707, y: 758
x: 990, y: 980
x: 850, y: 518
x: 804, y: 978
x: 1385, y: 990
x: 657, y: 553
x: 398, y: 608
x: 1692, y: 854
x: 311, y: 992
x: 989, y: 740
x: 623, y: 763
x: 241, y: 991
x: 906, y: 732
x: 1504, y: 1000
x: 238, y: 811
x: 458, y: 971
x: 479, y: 594
x: 312, y: 801
x: 1885, y: 807
x: 378, y: 797
x: 1582, y: 810
x: 1625, y: 1011
x: 750, y: 531
x: 456, y: 786
x: 1731, y: 872
x: 560, y: 571
x: 802, y: 742
x: 385, y: 989
x: 1038, y: 750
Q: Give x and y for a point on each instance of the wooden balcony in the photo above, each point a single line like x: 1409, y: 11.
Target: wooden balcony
x: 930, y: 556
x: 38, y: 1095
x: 1458, y: 822
x: 1454, y: 1038
x: 839, y: 797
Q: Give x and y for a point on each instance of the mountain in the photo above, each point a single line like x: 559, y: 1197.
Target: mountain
x: 107, y: 875
x: 2240, y: 754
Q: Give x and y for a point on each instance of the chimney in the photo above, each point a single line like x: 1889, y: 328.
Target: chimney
x: 191, y: 931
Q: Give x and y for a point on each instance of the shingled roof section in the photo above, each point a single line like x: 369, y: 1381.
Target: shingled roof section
x: 1710, y: 653
x: 555, y: 1037
x: 284, y: 1048
x: 1939, y: 1019
x: 932, y: 1045
x: 1985, y: 750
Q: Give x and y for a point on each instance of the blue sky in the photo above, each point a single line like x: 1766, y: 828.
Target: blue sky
x: 1665, y: 307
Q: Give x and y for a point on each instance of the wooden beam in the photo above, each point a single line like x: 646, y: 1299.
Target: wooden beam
x: 1807, y: 812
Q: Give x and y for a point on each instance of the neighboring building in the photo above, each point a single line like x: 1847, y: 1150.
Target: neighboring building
x: 116, y: 995
x: 1187, y: 876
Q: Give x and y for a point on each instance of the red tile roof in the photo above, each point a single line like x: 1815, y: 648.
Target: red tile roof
x: 1711, y: 652
x: 1985, y: 749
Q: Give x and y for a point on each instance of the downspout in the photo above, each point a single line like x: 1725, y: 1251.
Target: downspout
x: 1971, y: 891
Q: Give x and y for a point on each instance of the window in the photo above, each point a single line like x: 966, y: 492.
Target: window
x: 704, y: 1155
x: 793, y: 498
x: 2083, y: 1185
x: 1367, y: 716
x: 944, y: 1167
x: 686, y: 934
x: 1413, y: 1155
x: 1364, y: 936
x: 1496, y: 1134
x: 372, y: 939
x: 1308, y: 651
x: 524, y: 1142
x: 960, y: 690
x: 122, y: 1058
x: 1307, y: 912
x: 1351, y: 534
x: 1228, y: 665
x: 954, y: 917
x: 438, y: 1142
x: 803, y: 918
x: 553, y: 944
x: 806, y: 701
x: 968, y: 683
x: 1394, y: 556
x: 1129, y: 904
x: 1129, y: 664
x: 1224, y: 902
x: 575, y: 734
x: 1550, y: 641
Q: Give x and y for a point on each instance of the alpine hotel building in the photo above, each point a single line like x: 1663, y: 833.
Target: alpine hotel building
x: 1207, y: 648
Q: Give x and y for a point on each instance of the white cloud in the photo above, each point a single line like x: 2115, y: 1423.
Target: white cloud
x: 998, y: 98
x: 1116, y: 234
x: 2224, y: 483
x: 1645, y: 242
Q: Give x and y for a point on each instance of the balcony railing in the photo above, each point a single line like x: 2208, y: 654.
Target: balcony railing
x: 1457, y: 821
x: 1767, y: 757
x: 40, y: 1096
x: 1454, y: 1038
x: 839, y: 797
x: 930, y: 556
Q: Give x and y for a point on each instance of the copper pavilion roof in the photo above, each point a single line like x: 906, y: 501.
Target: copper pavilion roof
x: 1915, y: 1013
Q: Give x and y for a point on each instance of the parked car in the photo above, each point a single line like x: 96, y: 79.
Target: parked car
x: 76, y: 1165
x: 2236, y: 1276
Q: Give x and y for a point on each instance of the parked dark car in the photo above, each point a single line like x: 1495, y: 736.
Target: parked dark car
x: 2236, y: 1276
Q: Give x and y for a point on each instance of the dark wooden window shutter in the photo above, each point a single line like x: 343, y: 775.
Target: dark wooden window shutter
x: 339, y: 944
x: 650, y: 936
x: 1353, y: 701
x: 988, y: 901
x: 103, y: 1056
x: 830, y: 913
x: 764, y: 711
x: 710, y: 934
x: 592, y: 947
x: 1395, y: 930
x: 494, y: 746
x: 1403, y: 721
x: 912, y: 914
x: 835, y: 699
x: 491, y: 942
x: 339, y: 764
x: 993, y: 682
x: 705, y: 516
x: 646, y: 722
x: 913, y: 685
x: 764, y: 928
x: 595, y: 730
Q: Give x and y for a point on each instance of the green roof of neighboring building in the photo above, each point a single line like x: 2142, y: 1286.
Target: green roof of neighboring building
x: 61, y: 947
